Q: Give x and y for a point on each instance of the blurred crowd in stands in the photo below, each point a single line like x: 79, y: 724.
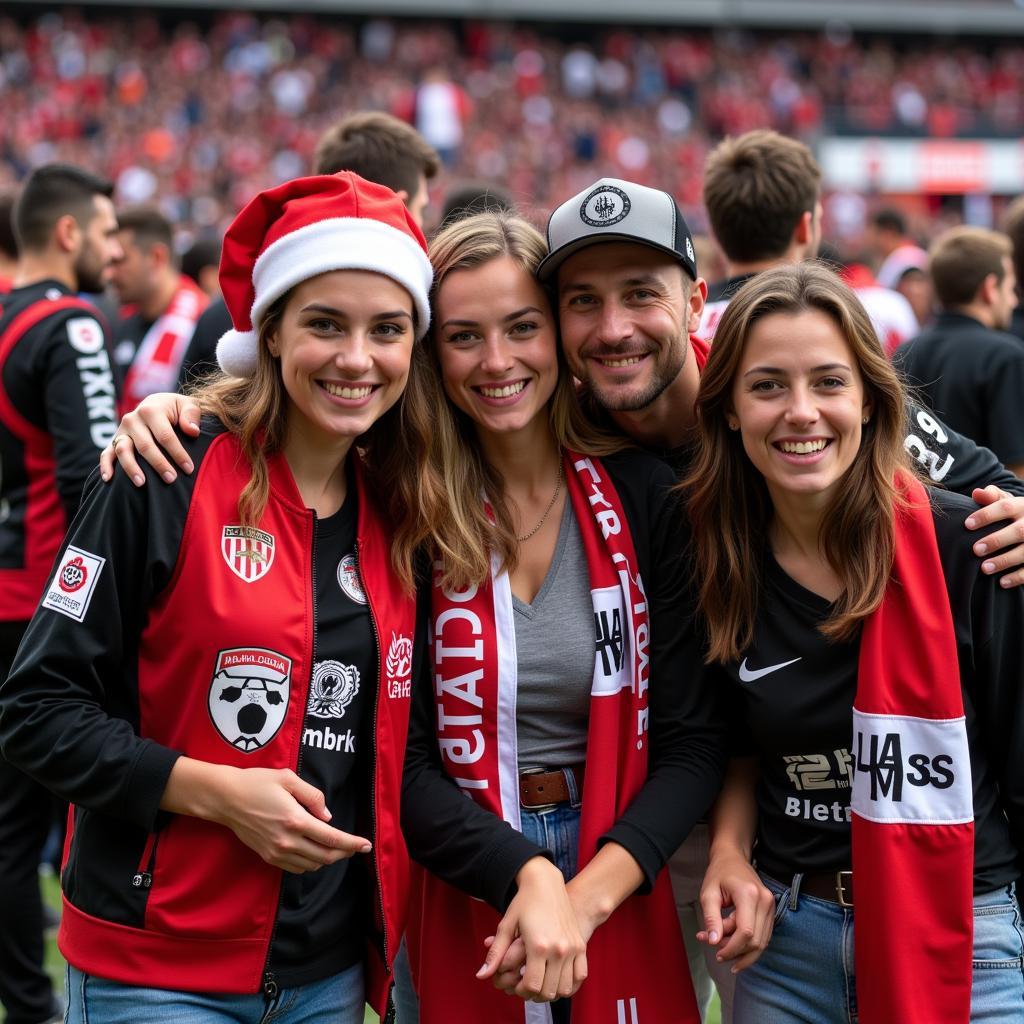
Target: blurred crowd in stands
x: 198, y: 116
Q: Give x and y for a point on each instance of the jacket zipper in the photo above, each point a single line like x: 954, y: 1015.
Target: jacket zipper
x: 373, y: 782
x: 270, y: 986
x: 143, y: 878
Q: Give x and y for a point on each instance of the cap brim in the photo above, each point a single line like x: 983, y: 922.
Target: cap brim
x: 550, y: 264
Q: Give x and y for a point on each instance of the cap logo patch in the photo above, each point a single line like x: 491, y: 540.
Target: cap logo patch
x: 605, y: 206
x: 689, y: 250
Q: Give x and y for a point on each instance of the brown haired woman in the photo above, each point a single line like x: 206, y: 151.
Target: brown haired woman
x: 215, y: 682
x: 842, y: 600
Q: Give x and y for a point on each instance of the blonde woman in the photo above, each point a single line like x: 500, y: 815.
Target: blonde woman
x: 218, y: 674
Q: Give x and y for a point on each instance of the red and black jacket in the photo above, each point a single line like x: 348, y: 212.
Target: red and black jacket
x: 58, y: 408
x: 113, y: 683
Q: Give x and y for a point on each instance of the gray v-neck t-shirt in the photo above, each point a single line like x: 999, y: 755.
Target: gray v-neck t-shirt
x: 555, y: 644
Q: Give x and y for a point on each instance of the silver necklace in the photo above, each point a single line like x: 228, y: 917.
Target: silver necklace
x: 551, y: 504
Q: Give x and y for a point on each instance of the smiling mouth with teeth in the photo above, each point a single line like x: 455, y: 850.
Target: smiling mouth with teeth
x: 803, y: 447
x: 505, y: 391
x: 341, y: 391
x: 617, y: 363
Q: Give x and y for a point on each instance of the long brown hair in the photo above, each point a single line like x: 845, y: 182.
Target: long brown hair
x: 453, y: 521
x: 729, y: 505
x: 393, y: 450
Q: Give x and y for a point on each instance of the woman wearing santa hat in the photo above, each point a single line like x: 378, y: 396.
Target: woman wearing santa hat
x: 218, y: 675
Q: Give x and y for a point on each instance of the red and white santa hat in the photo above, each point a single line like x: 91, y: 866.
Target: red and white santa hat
x: 305, y: 227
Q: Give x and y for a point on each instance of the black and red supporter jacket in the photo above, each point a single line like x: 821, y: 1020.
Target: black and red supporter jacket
x: 57, y: 410
x: 156, y: 592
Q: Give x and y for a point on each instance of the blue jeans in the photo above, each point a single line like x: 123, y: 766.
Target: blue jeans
x: 335, y: 1000
x: 806, y: 975
x: 557, y: 830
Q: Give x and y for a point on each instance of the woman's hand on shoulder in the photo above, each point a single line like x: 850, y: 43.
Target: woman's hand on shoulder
x: 149, y: 431
x: 274, y: 812
x: 546, y: 949
x: 731, y: 881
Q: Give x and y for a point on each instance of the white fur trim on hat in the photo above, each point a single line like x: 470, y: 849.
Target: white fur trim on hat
x: 236, y: 353
x: 343, y: 243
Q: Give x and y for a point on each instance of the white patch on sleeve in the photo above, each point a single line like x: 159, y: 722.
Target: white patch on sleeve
x: 85, y: 335
x: 911, y: 770
x: 73, y: 584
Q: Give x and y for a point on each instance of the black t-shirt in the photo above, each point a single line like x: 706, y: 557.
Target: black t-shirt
x: 322, y: 923
x: 793, y: 692
x: 973, y: 377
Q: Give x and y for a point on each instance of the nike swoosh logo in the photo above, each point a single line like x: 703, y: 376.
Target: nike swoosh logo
x: 748, y: 675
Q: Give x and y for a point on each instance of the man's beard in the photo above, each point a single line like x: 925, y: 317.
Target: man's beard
x: 89, y: 270
x: 626, y: 398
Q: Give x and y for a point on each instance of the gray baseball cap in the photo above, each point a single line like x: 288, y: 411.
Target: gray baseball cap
x: 613, y: 210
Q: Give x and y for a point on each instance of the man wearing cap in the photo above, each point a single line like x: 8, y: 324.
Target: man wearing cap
x: 629, y: 301
x: 629, y: 298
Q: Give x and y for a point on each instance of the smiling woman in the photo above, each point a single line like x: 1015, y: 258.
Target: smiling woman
x: 841, y: 597
x: 218, y: 676
x: 561, y: 639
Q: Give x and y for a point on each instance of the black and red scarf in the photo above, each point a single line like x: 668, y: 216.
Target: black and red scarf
x: 636, y: 960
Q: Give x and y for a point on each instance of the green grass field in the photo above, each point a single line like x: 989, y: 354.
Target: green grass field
x: 55, y: 963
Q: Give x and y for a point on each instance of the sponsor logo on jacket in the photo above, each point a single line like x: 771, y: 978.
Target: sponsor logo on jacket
x: 74, y: 583
x: 398, y: 666
x: 86, y: 337
x: 248, y: 696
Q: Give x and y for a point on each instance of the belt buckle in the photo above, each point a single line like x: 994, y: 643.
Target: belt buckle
x: 534, y: 808
x: 841, y: 886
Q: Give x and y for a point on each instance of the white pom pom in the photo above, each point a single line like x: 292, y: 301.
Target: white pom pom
x: 236, y: 353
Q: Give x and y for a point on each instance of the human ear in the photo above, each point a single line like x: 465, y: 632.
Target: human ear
x: 68, y: 233
x: 804, y: 230
x: 696, y: 299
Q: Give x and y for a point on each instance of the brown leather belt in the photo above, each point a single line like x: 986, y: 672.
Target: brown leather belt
x: 834, y: 886
x: 546, y: 787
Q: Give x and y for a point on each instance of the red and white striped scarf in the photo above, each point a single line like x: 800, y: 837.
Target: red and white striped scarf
x: 913, y: 811
x: 636, y: 960
x: 159, y: 356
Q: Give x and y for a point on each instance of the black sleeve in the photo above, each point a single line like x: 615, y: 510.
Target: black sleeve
x: 1005, y: 418
x: 446, y: 831
x: 997, y: 630
x: 687, y: 729
x: 80, y: 400
x: 69, y: 709
x: 953, y: 460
